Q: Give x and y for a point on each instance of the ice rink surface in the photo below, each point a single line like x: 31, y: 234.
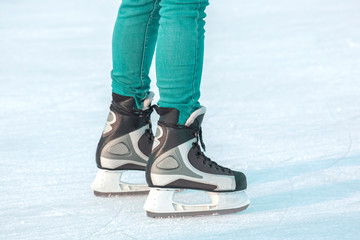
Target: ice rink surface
x: 282, y: 88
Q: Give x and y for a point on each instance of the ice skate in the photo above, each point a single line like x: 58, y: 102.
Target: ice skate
x: 124, y: 149
x: 177, y: 163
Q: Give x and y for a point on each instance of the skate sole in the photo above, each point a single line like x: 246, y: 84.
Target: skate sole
x: 196, y: 213
x: 118, y: 194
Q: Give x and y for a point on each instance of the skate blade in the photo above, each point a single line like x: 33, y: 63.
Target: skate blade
x: 195, y: 213
x: 110, y: 183
x: 117, y: 194
x: 160, y: 204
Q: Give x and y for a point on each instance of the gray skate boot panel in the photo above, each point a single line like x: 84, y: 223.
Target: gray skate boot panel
x: 168, y: 169
x: 119, y: 149
x: 168, y: 163
x: 120, y: 152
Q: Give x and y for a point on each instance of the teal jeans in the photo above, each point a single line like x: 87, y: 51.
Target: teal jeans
x: 176, y: 28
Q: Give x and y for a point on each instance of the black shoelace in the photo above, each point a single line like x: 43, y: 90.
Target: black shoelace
x: 197, y: 132
x: 206, y: 160
x: 149, y: 131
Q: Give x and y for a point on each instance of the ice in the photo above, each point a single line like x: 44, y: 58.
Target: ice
x: 282, y: 91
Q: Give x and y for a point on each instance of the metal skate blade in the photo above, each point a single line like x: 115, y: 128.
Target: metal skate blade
x: 195, y: 214
x: 117, y: 194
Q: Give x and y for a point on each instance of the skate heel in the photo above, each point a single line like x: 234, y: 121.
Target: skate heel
x: 160, y: 203
x: 109, y: 183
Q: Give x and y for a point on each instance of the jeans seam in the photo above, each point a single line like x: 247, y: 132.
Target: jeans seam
x: 196, y: 55
x: 145, y: 43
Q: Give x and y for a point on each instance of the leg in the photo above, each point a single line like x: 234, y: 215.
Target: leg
x: 179, y: 57
x: 177, y: 161
x: 126, y: 141
x: 134, y: 41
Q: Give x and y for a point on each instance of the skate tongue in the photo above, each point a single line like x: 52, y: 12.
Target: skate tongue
x: 171, y: 115
x: 168, y: 115
x: 129, y: 103
x: 196, y: 118
x: 124, y: 101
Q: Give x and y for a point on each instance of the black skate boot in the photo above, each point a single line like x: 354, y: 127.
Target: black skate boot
x: 125, y: 145
x: 177, y: 163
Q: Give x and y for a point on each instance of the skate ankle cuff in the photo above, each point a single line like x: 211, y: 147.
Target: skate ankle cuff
x: 195, y: 116
x: 116, y: 107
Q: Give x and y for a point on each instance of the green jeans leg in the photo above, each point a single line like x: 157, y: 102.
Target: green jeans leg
x: 179, y: 54
x: 179, y: 57
x: 133, y: 45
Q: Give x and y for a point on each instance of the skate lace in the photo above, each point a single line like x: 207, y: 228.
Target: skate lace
x: 197, y: 132
x: 149, y: 131
x: 199, y: 153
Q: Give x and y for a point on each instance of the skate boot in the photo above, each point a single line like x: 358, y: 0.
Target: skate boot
x: 177, y: 163
x: 124, y: 148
